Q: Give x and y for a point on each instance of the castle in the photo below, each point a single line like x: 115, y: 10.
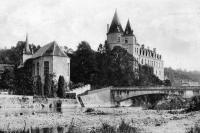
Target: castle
x: 116, y: 36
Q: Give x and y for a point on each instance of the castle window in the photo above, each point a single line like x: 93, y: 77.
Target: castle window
x: 46, y: 67
x: 38, y: 69
x: 126, y: 40
x: 118, y: 39
x: 142, y: 61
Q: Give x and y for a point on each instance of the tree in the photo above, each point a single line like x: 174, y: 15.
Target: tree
x: 23, y: 82
x: 167, y: 82
x: 121, y: 67
x: 61, y: 87
x: 147, y: 77
x: 7, y: 79
x: 48, y: 85
x: 38, y: 86
x: 83, y: 64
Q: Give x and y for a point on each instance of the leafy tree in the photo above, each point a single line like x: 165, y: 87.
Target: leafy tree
x: 38, y: 86
x: 83, y: 64
x: 121, y: 67
x: 7, y: 79
x: 147, y: 77
x: 23, y: 82
x: 14, y: 54
x: 48, y: 85
x: 167, y: 82
x: 61, y: 87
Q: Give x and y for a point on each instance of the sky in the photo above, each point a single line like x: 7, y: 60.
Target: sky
x: 170, y: 26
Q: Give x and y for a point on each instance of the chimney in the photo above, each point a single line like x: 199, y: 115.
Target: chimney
x: 154, y: 50
x: 142, y: 45
x: 108, y: 28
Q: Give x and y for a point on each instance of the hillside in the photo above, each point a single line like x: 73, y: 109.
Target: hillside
x: 179, y: 74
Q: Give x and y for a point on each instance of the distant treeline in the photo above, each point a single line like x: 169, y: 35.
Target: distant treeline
x: 179, y: 74
x: 14, y: 54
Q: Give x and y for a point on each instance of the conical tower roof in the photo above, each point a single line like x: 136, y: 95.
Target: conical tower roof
x: 27, y: 48
x: 128, y: 29
x: 115, y: 26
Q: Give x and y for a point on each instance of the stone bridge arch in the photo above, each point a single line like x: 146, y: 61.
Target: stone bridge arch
x: 121, y: 95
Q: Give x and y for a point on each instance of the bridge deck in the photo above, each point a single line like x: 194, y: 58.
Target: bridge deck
x: 156, y: 88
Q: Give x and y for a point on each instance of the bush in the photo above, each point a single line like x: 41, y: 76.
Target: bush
x: 61, y: 85
x: 195, y: 129
x: 74, y: 129
x: 171, y: 103
x: 123, y: 128
x: 106, y: 128
x: 88, y: 110
x: 194, y: 104
x: 126, y: 128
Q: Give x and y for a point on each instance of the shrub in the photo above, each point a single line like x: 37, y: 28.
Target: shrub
x: 88, y: 110
x: 106, y: 128
x: 61, y: 85
x: 195, y: 129
x: 194, y: 104
x: 123, y: 128
x: 126, y: 128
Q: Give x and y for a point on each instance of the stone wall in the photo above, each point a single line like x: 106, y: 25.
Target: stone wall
x: 18, y: 101
x: 98, y: 98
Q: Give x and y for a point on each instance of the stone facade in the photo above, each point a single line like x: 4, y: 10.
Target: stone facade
x: 49, y: 59
x: 116, y: 36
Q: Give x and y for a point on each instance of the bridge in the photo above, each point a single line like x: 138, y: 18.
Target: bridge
x: 112, y: 96
x: 123, y: 93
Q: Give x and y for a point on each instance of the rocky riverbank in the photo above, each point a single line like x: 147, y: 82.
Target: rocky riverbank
x: 144, y: 120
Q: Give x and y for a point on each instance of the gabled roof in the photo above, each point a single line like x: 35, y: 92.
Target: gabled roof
x: 115, y: 26
x: 51, y: 49
x: 128, y: 29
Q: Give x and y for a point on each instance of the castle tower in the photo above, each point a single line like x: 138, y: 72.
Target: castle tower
x: 130, y: 40
x: 27, y: 52
x: 115, y: 32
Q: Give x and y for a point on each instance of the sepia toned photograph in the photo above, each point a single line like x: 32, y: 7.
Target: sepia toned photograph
x: 99, y: 66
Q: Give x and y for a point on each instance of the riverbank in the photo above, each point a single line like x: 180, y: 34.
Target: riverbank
x: 150, y: 121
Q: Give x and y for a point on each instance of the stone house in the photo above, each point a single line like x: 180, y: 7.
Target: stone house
x: 49, y: 59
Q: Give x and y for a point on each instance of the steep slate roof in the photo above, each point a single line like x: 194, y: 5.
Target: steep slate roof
x: 128, y: 29
x: 51, y: 49
x: 115, y: 26
x: 27, y: 46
